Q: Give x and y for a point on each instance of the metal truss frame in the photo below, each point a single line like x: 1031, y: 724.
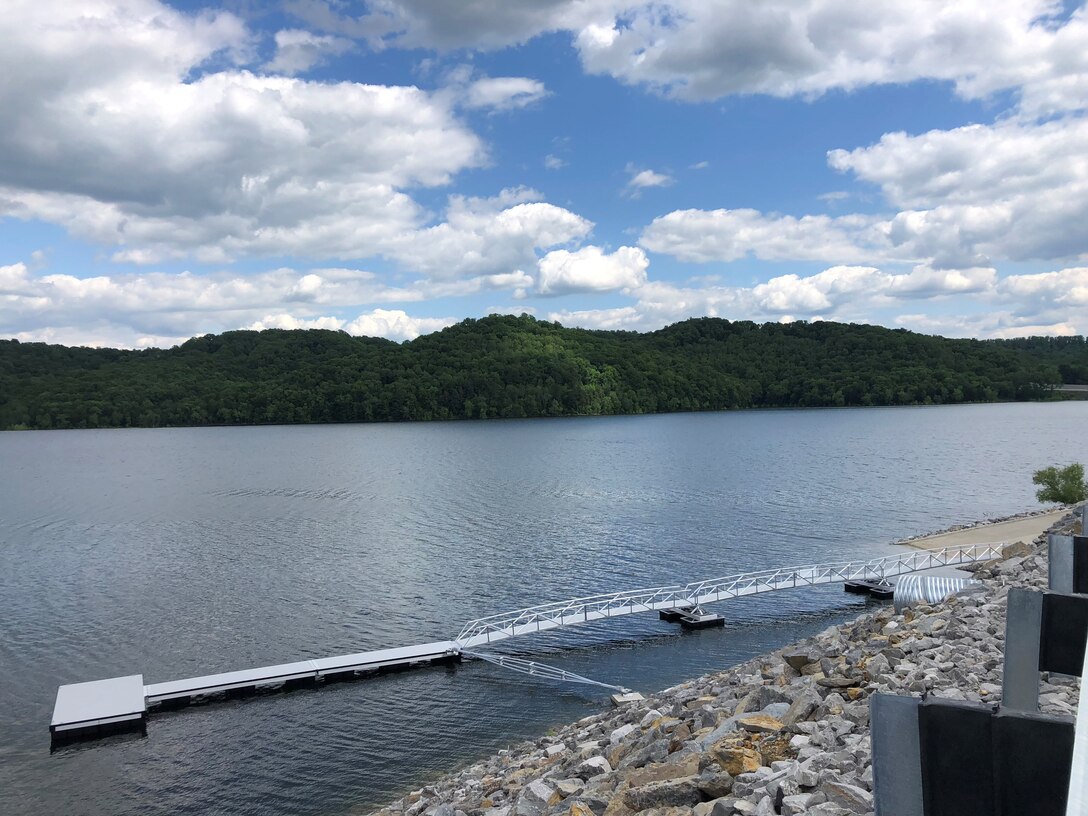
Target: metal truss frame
x: 549, y: 616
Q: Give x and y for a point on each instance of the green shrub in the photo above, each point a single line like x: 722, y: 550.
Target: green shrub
x: 1061, y: 485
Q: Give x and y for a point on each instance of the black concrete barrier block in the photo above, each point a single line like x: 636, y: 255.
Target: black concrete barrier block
x: 957, y: 758
x: 1065, y: 630
x: 1080, y: 564
x: 1033, y: 754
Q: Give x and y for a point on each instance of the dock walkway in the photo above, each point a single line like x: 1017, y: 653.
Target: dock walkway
x: 103, y: 706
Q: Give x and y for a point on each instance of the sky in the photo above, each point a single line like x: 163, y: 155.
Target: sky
x: 391, y: 167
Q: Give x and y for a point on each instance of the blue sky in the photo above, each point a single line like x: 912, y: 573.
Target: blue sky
x: 391, y: 167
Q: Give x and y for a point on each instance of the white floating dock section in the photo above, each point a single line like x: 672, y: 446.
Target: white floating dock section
x: 99, y: 706
x: 104, y: 706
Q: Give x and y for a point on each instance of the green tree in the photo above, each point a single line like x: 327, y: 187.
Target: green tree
x: 1061, y: 485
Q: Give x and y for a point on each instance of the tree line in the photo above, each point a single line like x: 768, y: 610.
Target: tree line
x: 506, y: 366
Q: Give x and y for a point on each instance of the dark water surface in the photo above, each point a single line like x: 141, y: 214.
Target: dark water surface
x: 175, y: 553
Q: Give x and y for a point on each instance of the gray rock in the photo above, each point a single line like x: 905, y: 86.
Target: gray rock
x: 621, y: 733
x: 770, y: 695
x: 827, y: 809
x: 784, y: 786
x: 747, y: 784
x: 798, y: 658
x: 727, y: 726
x: 592, y: 767
x: 569, y: 787
x: 797, y: 804
x: 723, y: 806
x: 654, y: 752
x: 651, y: 715
x: 535, y: 799
x: 714, y: 784
x: 837, y: 682
x: 673, y: 793
x: 803, y: 706
x: 776, y: 710
x: 850, y: 797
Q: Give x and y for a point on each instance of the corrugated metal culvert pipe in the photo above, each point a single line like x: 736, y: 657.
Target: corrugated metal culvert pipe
x: 929, y: 588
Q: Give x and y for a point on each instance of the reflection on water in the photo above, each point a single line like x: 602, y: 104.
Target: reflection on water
x: 173, y: 553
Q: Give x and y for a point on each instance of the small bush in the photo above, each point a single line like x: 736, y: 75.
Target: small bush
x: 1061, y: 485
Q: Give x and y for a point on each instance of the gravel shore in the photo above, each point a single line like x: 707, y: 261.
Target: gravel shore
x: 785, y: 733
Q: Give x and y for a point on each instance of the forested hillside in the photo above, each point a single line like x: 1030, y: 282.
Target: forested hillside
x: 504, y: 366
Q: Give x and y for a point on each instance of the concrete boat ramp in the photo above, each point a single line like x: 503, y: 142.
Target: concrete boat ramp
x: 100, y: 707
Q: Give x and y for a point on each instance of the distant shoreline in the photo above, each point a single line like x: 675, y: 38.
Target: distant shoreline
x: 475, y: 420
x: 505, y: 367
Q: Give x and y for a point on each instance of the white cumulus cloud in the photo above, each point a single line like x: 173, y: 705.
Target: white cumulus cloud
x: 700, y: 49
x: 643, y: 179
x: 728, y: 235
x: 1018, y: 305
x: 589, y: 269
x: 1013, y: 190
x: 392, y: 324
x: 493, y: 235
x: 154, y: 155
x: 503, y: 93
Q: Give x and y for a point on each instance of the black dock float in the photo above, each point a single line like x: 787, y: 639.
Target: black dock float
x: 703, y: 621
x: 876, y: 589
x: 674, y: 615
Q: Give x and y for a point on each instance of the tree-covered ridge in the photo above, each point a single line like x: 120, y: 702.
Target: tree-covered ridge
x: 505, y: 366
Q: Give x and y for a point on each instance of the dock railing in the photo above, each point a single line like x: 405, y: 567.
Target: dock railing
x: 545, y: 617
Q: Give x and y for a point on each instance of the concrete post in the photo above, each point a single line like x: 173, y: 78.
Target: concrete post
x: 1023, y: 636
x: 897, y: 756
x: 1060, y: 557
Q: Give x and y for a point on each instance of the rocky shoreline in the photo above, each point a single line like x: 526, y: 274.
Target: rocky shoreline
x: 784, y: 734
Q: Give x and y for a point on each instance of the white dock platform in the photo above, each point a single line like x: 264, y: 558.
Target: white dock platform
x: 88, y: 708
x: 99, y: 704
x: 302, y: 670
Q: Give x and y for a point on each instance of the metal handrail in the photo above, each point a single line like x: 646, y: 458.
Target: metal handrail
x: 544, y: 617
x: 535, y: 668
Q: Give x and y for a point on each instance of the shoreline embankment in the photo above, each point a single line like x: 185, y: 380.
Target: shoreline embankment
x: 783, y: 734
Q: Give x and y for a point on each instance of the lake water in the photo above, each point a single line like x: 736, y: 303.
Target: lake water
x: 174, y: 553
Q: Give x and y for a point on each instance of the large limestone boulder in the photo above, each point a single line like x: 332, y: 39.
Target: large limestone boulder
x: 736, y: 758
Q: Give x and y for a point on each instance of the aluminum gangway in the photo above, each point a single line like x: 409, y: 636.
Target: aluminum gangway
x: 596, y: 607
x: 101, y: 706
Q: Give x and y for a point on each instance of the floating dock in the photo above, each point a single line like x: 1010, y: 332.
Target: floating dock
x: 103, y: 707
x: 876, y: 589
x: 99, y: 707
x: 91, y: 709
x: 691, y: 617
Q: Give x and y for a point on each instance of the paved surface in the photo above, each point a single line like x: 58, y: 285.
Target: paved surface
x: 1004, y: 532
